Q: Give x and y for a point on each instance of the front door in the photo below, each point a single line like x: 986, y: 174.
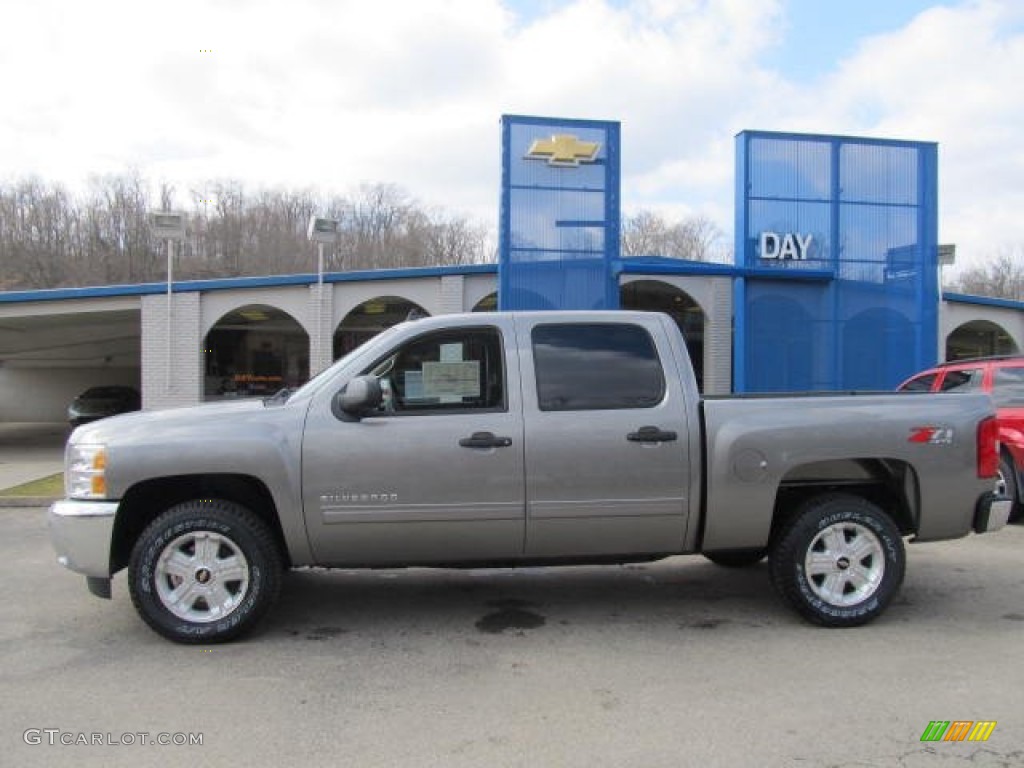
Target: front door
x: 437, y: 474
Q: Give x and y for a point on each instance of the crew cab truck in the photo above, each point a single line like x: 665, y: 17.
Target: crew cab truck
x: 505, y: 439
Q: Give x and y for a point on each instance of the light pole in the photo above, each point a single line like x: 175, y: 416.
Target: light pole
x: 322, y: 232
x: 170, y: 226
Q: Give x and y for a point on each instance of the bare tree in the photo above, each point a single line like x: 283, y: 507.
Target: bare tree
x: 1002, y: 277
x: 650, y: 234
x: 454, y: 240
x: 37, y: 234
x: 50, y: 239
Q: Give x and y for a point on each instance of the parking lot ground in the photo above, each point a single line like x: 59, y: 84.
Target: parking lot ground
x: 675, y: 663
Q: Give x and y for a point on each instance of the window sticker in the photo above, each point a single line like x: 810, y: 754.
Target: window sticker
x: 451, y: 353
x: 414, y: 385
x: 456, y: 379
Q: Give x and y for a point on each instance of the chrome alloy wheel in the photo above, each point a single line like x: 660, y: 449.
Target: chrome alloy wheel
x: 844, y: 564
x: 201, y: 576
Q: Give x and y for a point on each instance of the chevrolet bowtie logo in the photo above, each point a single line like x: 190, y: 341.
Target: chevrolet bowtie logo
x: 563, y: 150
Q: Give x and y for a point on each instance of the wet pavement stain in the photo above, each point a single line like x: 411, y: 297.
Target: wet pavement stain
x: 704, y: 624
x: 511, y: 614
x: 325, y: 633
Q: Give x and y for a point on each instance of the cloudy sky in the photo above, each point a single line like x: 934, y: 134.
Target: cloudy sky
x: 328, y: 94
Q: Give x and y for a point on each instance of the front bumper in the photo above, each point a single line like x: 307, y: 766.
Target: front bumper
x: 81, y: 532
x: 992, y: 513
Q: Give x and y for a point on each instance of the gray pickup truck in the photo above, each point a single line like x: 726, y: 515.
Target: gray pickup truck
x: 506, y: 439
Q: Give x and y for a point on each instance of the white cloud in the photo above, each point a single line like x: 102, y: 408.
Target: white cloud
x: 332, y: 94
x: 950, y: 76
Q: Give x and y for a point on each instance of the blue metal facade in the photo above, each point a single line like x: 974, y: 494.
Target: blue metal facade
x: 559, y: 214
x: 837, y: 245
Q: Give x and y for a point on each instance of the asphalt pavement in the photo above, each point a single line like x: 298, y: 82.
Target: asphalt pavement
x: 668, y: 664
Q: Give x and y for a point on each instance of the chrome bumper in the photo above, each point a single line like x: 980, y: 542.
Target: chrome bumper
x: 992, y: 513
x: 81, y: 533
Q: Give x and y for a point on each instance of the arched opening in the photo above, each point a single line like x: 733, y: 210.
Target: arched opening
x: 488, y: 303
x: 254, y: 351
x: 780, y: 350
x: 370, y: 318
x: 979, y: 338
x: 876, y: 346
x: 656, y: 296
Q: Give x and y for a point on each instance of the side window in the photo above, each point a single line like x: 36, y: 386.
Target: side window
x: 445, y: 371
x: 920, y: 384
x: 1008, y: 386
x: 596, y: 367
x: 961, y: 381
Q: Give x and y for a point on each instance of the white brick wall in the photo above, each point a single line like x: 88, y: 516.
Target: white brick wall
x: 451, y: 291
x: 171, y: 376
x: 321, y: 337
x: 718, y: 338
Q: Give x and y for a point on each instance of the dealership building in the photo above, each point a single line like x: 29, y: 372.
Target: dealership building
x: 835, y: 284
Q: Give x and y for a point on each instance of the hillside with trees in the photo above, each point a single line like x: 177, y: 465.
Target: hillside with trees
x: 50, y: 238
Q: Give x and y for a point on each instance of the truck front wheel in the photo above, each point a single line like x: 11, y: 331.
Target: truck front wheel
x: 204, y: 571
x: 839, y: 562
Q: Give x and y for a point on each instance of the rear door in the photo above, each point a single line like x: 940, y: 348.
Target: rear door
x: 607, y: 460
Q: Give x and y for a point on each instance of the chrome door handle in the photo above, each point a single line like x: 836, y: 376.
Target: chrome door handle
x: 485, y: 440
x: 652, y: 435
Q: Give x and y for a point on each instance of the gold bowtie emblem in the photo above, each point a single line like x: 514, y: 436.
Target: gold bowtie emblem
x: 563, y: 150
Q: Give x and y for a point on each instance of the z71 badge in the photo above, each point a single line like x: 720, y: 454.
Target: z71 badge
x: 931, y: 435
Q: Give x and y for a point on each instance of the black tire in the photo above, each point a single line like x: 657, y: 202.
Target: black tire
x: 1006, y: 484
x: 860, y: 561
x: 737, y: 558
x: 205, y: 571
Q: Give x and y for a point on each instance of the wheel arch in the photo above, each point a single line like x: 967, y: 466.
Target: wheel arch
x: 147, y: 500
x: 891, y: 484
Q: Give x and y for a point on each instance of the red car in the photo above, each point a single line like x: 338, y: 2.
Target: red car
x: 1003, y: 378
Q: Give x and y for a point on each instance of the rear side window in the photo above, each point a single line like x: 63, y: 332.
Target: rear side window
x: 961, y: 381
x: 600, y: 366
x: 1008, y: 386
x: 920, y: 384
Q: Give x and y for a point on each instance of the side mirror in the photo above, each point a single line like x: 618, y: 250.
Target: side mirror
x: 360, y: 396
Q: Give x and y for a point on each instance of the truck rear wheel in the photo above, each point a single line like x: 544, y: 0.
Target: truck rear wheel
x: 204, y: 571
x: 839, y: 562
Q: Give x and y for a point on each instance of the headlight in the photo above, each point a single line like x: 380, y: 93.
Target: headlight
x: 86, y: 473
